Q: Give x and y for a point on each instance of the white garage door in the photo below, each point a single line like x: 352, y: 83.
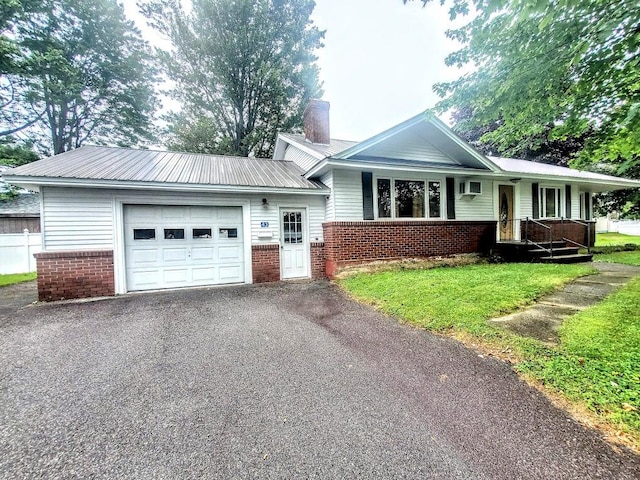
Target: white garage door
x: 175, y: 246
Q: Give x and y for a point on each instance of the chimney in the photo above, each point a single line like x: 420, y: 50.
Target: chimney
x: 316, y: 122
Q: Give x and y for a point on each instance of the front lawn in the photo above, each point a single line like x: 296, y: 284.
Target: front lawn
x: 630, y: 258
x: 12, y: 278
x: 460, y: 298
x: 597, y: 363
x: 598, y: 360
x: 609, y: 239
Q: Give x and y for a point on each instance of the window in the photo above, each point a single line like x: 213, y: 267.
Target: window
x: 292, y: 228
x: 144, y: 233
x: 408, y: 198
x: 201, y: 233
x: 550, y: 202
x: 434, y: 199
x: 384, y: 198
x: 585, y: 206
x: 228, y: 233
x: 174, y: 233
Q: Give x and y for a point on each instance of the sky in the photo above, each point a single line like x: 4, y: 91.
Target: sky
x: 380, y: 60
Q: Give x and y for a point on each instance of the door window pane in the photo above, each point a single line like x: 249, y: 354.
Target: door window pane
x: 174, y: 233
x: 228, y: 233
x: 201, y: 233
x: 144, y: 233
x: 292, y: 227
x: 409, y: 199
x: 384, y: 198
x: 434, y: 199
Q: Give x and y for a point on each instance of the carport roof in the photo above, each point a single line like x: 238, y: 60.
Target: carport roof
x: 93, y: 164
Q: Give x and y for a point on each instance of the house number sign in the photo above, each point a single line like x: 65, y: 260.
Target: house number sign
x: 264, y: 224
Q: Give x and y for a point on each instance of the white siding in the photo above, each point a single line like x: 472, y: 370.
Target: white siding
x: 575, y: 201
x: 83, y: 219
x: 77, y: 219
x: 300, y: 158
x: 475, y: 207
x: 409, y: 148
x: 327, y: 179
x: 526, y: 201
x: 347, y: 194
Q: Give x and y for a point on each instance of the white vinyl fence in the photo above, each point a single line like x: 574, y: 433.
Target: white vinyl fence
x: 16, y: 252
x: 626, y: 227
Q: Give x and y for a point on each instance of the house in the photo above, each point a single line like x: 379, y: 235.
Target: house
x: 20, y: 212
x: 118, y: 220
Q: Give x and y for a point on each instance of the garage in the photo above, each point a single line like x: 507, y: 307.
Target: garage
x: 168, y: 246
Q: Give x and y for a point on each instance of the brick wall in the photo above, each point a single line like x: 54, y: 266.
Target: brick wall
x: 64, y: 275
x: 317, y: 260
x: 353, y: 242
x: 572, y: 231
x: 265, y: 263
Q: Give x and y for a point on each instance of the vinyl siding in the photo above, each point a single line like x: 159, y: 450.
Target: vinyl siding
x: 410, y: 148
x: 327, y: 179
x: 77, y: 219
x: 83, y: 219
x: 300, y: 158
x: 526, y: 202
x: 477, y: 207
x: 347, y: 194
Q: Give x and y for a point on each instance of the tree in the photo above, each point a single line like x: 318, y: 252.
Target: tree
x: 243, y: 68
x: 14, y: 153
x: 85, y: 67
x: 551, y: 70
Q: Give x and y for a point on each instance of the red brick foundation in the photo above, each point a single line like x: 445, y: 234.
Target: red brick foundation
x: 572, y: 231
x: 358, y: 242
x: 317, y: 260
x: 265, y: 263
x: 65, y: 275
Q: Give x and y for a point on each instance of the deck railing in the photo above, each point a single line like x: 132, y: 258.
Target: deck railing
x: 528, y: 240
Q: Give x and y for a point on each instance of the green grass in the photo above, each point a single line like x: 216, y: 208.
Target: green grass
x: 598, y: 360
x: 462, y: 297
x: 16, y: 278
x: 630, y: 258
x: 611, y: 239
x: 597, y: 363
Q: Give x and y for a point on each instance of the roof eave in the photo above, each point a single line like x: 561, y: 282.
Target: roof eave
x: 180, y: 187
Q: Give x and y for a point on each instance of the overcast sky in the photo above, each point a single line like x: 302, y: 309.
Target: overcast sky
x: 380, y: 61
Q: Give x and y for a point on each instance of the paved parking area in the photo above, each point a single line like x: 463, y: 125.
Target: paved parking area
x: 277, y: 381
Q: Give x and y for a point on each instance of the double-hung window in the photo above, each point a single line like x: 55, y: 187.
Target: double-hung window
x: 550, y: 202
x: 408, y: 198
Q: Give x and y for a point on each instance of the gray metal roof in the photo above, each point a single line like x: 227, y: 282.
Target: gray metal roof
x: 24, y: 205
x: 527, y: 167
x: 335, y: 146
x: 124, y: 164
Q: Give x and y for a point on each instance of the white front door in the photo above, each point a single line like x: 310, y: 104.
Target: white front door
x: 294, y: 246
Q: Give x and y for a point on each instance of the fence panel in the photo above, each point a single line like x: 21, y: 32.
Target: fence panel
x: 16, y: 252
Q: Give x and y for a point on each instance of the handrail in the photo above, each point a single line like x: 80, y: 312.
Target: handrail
x: 584, y: 224
x: 548, y: 227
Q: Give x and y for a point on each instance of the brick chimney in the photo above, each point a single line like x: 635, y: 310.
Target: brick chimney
x: 316, y: 122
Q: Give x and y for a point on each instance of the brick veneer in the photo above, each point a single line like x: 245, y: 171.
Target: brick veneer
x: 317, y: 260
x: 64, y: 275
x: 265, y: 263
x: 572, y: 231
x: 354, y: 242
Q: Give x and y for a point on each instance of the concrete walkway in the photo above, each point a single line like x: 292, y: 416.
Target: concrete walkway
x: 542, y: 320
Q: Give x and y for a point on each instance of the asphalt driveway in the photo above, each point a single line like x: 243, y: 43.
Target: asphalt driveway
x: 277, y: 381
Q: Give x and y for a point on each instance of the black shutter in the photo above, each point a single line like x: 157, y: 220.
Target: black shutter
x: 535, y: 200
x: 567, y: 201
x: 451, y: 198
x: 367, y: 195
x: 587, y: 205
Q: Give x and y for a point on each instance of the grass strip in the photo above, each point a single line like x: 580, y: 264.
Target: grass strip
x: 12, y: 278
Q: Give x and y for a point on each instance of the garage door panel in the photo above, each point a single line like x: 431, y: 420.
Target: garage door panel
x: 231, y: 273
x: 230, y: 252
x: 172, y: 255
x: 203, y: 254
x: 204, y: 274
x: 180, y: 246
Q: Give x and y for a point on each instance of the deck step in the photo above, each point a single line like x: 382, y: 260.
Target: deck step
x: 575, y: 258
x: 556, y: 251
